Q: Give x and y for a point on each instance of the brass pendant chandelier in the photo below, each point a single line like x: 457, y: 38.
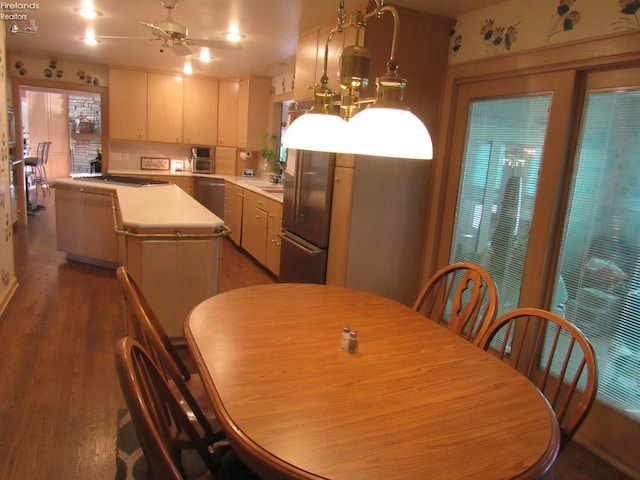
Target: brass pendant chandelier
x: 344, y: 122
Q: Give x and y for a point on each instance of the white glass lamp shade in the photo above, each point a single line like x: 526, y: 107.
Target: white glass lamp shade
x: 388, y: 132
x: 319, y: 132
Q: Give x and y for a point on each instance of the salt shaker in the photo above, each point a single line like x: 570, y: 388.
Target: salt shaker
x: 353, y: 343
x: 344, y: 339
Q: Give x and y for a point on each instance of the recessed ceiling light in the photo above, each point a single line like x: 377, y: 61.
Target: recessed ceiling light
x: 233, y: 36
x: 187, y: 68
x: 204, y: 55
x: 93, y: 41
x: 88, y: 12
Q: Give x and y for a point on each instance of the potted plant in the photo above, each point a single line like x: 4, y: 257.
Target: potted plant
x: 271, y: 157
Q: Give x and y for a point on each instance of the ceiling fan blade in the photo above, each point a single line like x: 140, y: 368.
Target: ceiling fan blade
x: 120, y: 37
x: 180, y: 50
x: 216, y: 44
x: 155, y: 30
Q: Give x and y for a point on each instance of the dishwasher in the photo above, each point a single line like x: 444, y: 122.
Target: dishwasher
x: 210, y: 193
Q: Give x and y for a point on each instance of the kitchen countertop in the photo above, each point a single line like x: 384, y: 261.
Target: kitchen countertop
x: 255, y: 184
x: 153, y: 207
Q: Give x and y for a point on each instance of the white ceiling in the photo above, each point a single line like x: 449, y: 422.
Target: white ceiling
x: 270, y: 27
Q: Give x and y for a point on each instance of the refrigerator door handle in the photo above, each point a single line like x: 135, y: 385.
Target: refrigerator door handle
x: 299, y: 243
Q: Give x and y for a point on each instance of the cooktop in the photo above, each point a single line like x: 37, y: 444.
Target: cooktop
x: 123, y: 180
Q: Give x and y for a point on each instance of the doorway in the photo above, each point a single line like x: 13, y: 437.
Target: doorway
x: 70, y: 120
x: 60, y: 163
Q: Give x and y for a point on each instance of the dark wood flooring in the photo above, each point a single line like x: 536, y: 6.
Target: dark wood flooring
x: 59, y: 394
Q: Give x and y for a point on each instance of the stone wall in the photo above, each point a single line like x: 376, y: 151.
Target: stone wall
x: 84, y: 145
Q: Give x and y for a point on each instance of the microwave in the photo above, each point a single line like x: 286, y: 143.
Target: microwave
x: 201, y: 160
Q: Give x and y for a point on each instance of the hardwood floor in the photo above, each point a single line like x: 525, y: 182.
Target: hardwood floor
x: 59, y: 394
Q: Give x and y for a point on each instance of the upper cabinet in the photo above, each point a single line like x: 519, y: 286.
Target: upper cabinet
x: 200, y: 111
x: 243, y: 114
x: 310, y: 62
x: 228, y: 113
x: 127, y: 105
x: 310, y: 59
x: 306, y: 59
x: 254, y: 99
x: 165, y: 103
x: 166, y: 108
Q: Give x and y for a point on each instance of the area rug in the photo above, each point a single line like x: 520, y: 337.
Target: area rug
x: 130, y: 461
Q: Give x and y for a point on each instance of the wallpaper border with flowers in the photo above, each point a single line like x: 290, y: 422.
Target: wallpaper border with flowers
x: 516, y: 26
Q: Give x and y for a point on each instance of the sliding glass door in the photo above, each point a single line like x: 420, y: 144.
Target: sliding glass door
x: 600, y: 249
x: 544, y: 191
x: 505, y: 139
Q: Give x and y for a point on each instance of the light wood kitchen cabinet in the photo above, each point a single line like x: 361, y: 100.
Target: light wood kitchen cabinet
x: 274, y: 226
x: 333, y: 63
x: 305, y: 69
x: 174, y: 275
x: 233, y: 201
x: 48, y: 120
x: 310, y: 59
x: 185, y: 183
x: 228, y: 112
x: 254, y: 225
x: 200, y: 111
x: 254, y: 101
x: 127, y: 105
x: 339, y: 231
x: 165, y: 97
x: 85, y: 226
x: 163, y: 108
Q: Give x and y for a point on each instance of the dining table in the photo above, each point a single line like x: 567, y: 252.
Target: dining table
x: 415, y: 402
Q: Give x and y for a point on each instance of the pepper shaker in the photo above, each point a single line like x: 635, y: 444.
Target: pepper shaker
x: 353, y: 343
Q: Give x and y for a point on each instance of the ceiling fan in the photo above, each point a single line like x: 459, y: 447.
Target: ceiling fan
x: 174, y: 36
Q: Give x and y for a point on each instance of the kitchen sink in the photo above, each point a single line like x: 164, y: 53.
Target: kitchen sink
x: 273, y: 189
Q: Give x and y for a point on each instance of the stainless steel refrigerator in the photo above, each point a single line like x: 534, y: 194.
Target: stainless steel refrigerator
x: 306, y: 216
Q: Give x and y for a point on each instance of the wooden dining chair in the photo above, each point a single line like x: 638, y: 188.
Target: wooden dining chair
x: 187, y: 386
x: 552, y: 353
x: 157, y: 417
x: 463, y: 296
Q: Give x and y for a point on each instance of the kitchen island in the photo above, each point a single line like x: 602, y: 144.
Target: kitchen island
x: 168, y: 241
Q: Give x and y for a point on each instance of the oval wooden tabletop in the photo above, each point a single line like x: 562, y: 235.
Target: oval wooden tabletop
x: 416, y: 402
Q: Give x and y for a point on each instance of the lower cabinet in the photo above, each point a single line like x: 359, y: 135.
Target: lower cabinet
x: 254, y: 225
x: 185, y: 183
x: 85, y: 226
x: 233, y: 199
x: 260, y: 220
x: 274, y: 226
x: 189, y: 269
